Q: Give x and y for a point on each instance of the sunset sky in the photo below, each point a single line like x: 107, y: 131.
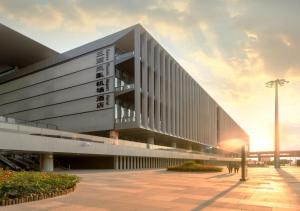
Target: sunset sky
x: 230, y: 47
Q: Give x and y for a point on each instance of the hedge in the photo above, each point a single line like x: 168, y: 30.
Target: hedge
x: 194, y: 167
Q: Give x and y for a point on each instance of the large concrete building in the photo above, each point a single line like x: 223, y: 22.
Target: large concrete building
x: 124, y: 86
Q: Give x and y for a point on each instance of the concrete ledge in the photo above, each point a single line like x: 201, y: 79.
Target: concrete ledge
x: 31, y: 143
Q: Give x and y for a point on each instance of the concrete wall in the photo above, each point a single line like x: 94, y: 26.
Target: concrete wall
x: 66, y: 94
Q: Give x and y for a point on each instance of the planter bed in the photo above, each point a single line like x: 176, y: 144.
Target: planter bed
x: 20, y: 187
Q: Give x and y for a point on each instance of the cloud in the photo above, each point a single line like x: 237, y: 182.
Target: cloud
x: 230, y: 47
x: 44, y: 16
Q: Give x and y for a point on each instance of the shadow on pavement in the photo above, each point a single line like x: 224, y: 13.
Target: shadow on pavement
x: 216, y: 197
x: 292, y: 181
x: 221, y: 176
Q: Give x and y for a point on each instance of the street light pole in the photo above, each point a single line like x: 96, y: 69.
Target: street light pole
x: 271, y: 84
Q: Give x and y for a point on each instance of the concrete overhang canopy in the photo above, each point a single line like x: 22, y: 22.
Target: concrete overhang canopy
x: 19, y: 51
x: 57, y: 58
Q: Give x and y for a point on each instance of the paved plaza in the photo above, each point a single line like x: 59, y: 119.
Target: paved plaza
x: 266, y: 189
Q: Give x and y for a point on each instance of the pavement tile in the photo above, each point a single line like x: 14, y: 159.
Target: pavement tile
x: 266, y: 189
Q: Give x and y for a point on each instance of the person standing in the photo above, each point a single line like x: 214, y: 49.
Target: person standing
x: 228, y: 167
x: 237, y: 167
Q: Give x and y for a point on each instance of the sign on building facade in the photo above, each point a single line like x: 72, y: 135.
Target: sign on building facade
x: 105, y: 78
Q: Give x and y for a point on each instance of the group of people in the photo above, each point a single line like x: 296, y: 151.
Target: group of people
x: 233, y: 167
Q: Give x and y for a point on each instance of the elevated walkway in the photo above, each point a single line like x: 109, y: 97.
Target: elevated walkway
x: 21, y: 138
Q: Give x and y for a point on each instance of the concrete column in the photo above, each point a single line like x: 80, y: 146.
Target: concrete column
x: 128, y: 162
x: 177, y: 104
x: 140, y: 162
x: 143, y: 162
x: 157, y: 89
x: 136, y: 162
x: 114, y: 134
x: 116, y: 162
x: 144, y: 81
x: 180, y: 103
x: 137, y: 75
x: 168, y: 95
x: 131, y: 162
x: 163, y: 96
x: 190, y: 147
x: 150, y: 140
x: 46, y: 162
x: 124, y: 162
x: 151, y: 85
x: 173, y: 119
x: 197, y: 114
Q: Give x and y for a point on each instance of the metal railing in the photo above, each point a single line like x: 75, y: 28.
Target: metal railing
x: 125, y: 87
x: 10, y: 120
x: 125, y: 119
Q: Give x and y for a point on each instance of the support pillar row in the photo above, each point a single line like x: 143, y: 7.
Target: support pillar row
x: 46, y: 162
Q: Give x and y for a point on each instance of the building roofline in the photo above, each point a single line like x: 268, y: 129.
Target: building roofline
x: 63, y: 57
x: 18, y: 50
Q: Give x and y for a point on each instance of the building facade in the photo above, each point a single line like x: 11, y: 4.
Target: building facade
x: 126, y: 86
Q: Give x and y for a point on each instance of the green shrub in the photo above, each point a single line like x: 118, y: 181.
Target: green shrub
x: 22, y: 184
x: 189, y: 163
x: 192, y: 166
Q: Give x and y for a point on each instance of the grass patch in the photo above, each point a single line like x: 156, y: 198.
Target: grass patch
x: 16, y: 185
x: 195, y: 167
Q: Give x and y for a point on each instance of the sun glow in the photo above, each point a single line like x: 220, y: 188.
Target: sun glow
x: 261, y: 142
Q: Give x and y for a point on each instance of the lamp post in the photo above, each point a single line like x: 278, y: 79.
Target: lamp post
x: 275, y: 84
